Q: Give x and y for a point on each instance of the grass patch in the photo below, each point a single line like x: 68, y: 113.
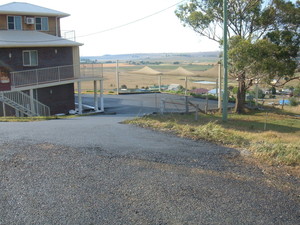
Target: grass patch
x: 32, y: 119
x: 272, y: 137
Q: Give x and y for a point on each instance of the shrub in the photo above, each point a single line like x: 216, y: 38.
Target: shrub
x: 235, y: 90
x: 123, y: 86
x: 261, y: 94
x: 296, y: 91
x: 293, y: 101
x: 273, y: 91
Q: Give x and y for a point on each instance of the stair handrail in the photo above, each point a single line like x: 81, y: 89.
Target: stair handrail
x: 26, y: 102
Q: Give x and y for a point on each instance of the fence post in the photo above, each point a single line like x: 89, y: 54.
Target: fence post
x: 186, y: 104
x: 159, y: 83
x: 101, y: 95
x: 117, y: 77
x: 206, y: 105
x: 162, y: 106
x: 197, y: 112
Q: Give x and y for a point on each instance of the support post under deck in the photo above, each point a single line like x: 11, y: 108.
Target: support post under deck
x: 101, y: 96
x: 96, y: 107
x: 79, y: 98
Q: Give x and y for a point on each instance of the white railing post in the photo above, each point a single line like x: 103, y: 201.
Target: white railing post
x: 31, y: 77
x: 37, y: 76
x: 79, y: 98
x: 31, y: 101
x: 58, y: 72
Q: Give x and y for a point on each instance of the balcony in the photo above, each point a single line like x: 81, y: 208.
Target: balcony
x: 54, y: 76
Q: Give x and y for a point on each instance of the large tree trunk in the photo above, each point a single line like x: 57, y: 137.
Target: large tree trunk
x: 241, y: 95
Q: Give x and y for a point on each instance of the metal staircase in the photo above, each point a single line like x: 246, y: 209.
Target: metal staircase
x: 23, y: 103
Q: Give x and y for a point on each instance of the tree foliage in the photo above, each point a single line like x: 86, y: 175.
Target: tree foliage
x: 264, y: 37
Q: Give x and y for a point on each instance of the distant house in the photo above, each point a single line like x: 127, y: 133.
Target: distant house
x: 214, y: 92
x: 174, y: 87
x: 199, y: 91
x: 38, y: 68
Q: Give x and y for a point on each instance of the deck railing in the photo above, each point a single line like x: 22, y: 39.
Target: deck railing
x: 41, y: 76
x: 53, y: 74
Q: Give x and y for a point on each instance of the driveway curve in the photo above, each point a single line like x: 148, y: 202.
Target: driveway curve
x: 96, y: 170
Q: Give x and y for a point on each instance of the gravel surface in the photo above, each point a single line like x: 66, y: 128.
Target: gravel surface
x: 95, y: 170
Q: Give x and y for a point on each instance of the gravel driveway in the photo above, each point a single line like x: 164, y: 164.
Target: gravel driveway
x: 95, y: 170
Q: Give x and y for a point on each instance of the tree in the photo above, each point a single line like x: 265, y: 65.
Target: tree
x: 123, y: 86
x: 264, y: 38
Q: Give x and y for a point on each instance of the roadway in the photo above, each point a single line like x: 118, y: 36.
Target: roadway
x: 97, y: 170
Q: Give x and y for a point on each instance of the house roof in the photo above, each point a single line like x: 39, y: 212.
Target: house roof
x: 18, y: 38
x: 22, y: 8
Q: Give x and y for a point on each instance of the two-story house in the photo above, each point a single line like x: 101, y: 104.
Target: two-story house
x: 38, y: 68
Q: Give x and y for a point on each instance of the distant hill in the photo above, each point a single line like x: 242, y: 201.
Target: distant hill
x: 165, y: 57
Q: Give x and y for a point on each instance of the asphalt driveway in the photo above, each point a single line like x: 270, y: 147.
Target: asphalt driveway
x: 140, y: 104
x: 96, y: 170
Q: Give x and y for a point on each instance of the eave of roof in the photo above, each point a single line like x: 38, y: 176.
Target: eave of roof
x: 22, y: 8
x: 17, y: 38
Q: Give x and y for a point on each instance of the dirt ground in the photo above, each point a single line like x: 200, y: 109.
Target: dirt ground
x: 143, y: 80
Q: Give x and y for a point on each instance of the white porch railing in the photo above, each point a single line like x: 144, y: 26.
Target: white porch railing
x: 41, y: 76
x: 54, y: 74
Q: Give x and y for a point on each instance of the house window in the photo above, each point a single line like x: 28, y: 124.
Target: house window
x: 30, y: 58
x: 41, y: 23
x: 14, y: 22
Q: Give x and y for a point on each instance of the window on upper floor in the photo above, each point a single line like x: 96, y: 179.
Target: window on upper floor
x: 41, y: 23
x: 30, y: 58
x: 14, y: 22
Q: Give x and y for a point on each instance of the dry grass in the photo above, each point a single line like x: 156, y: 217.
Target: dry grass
x: 292, y: 109
x: 139, y: 80
x: 279, y: 144
x: 26, y: 119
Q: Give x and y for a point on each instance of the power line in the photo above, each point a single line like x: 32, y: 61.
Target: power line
x: 106, y: 30
x: 132, y: 22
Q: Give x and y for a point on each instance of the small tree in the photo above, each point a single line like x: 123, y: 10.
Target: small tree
x: 273, y: 90
x: 264, y: 38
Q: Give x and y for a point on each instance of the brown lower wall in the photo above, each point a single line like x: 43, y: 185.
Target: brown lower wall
x: 60, y: 98
x: 9, y: 111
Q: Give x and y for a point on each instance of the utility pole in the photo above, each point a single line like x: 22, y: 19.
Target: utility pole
x: 225, y: 63
x: 219, y: 87
x: 117, y: 76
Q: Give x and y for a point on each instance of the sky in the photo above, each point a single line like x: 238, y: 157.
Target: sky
x: 162, y: 32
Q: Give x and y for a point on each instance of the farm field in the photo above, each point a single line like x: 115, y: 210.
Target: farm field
x: 202, y: 72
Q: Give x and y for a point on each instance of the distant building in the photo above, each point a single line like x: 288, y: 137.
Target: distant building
x: 38, y: 67
x: 199, y: 91
x: 174, y: 87
x: 214, y: 92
